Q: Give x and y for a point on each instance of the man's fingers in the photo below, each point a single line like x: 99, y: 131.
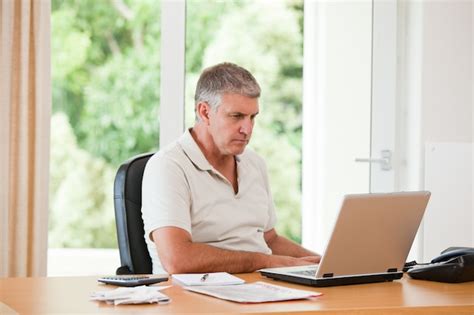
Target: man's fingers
x: 313, y: 259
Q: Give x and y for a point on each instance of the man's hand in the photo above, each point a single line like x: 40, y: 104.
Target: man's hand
x: 288, y: 261
x: 283, y: 246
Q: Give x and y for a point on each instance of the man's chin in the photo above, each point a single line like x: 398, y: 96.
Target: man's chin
x: 238, y: 149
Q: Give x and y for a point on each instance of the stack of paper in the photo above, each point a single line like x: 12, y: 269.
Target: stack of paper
x: 257, y: 292
x: 206, y: 279
x: 135, y: 295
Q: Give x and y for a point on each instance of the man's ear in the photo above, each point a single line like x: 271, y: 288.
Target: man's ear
x: 203, y: 110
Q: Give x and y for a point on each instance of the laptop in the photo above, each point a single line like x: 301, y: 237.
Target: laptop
x: 369, y: 243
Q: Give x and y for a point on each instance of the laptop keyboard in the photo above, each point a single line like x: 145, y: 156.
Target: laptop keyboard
x: 310, y: 272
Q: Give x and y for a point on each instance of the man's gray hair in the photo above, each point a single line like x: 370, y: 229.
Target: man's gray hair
x: 223, y: 78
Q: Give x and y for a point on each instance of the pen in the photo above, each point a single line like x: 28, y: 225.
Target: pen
x: 204, y: 277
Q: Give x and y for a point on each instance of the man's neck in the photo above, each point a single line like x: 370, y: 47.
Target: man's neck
x: 212, y: 154
x: 224, y: 163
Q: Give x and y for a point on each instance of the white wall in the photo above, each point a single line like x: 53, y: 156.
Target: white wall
x: 447, y: 71
x: 447, y: 123
x: 449, y: 217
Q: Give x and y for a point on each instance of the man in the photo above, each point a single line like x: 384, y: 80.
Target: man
x: 206, y: 200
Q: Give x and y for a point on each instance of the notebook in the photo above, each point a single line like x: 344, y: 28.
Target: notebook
x: 370, y: 241
x: 206, y: 279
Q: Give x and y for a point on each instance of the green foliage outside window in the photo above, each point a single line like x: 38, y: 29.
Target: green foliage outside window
x: 106, y: 79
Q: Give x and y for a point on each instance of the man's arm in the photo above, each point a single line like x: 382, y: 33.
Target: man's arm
x: 178, y: 254
x: 282, y: 246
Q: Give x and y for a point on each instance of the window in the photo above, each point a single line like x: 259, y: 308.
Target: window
x: 106, y: 78
x: 106, y: 86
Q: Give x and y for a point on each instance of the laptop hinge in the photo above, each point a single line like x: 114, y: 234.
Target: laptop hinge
x: 392, y: 270
x: 328, y: 275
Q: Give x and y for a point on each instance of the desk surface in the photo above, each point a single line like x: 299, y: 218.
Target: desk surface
x: 71, y: 294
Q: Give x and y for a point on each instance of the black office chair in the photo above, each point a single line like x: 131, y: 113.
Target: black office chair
x: 134, y: 256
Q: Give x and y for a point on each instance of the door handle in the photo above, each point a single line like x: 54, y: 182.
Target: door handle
x: 385, y: 160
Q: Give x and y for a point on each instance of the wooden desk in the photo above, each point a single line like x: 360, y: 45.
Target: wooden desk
x: 407, y: 296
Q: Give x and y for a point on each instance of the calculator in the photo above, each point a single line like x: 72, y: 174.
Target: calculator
x: 133, y: 280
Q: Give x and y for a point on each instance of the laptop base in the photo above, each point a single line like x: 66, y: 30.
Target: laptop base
x: 328, y: 282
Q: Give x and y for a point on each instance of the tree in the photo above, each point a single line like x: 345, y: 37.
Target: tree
x: 107, y: 78
x: 81, y: 188
x: 106, y: 81
x: 121, y: 107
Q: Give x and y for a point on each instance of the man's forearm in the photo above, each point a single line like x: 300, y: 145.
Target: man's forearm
x: 179, y: 254
x: 197, y: 257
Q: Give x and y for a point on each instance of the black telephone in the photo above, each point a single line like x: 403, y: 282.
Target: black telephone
x: 454, y: 265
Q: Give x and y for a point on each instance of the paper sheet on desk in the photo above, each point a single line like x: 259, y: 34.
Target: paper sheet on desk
x: 257, y: 292
x: 214, y: 278
x: 136, y: 295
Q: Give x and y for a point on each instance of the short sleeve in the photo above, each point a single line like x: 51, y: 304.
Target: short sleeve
x: 166, y: 196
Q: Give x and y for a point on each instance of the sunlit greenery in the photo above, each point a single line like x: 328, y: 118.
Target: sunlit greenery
x: 106, y: 78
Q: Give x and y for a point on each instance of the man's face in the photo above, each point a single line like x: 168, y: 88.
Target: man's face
x: 232, y: 124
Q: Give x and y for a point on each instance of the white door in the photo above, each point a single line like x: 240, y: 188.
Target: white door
x: 349, y: 108
x: 384, y: 152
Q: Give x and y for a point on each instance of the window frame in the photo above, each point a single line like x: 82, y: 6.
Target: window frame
x: 172, y: 90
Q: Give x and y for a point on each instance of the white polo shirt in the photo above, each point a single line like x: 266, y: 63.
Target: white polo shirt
x: 181, y: 189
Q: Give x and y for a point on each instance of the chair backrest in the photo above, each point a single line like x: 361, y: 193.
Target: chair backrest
x: 134, y: 256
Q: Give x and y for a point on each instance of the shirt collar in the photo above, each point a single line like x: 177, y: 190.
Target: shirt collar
x: 194, y: 153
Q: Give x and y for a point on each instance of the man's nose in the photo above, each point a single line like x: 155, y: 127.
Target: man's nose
x: 246, y: 126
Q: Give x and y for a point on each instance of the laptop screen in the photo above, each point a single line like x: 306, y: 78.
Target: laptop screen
x: 373, y: 233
